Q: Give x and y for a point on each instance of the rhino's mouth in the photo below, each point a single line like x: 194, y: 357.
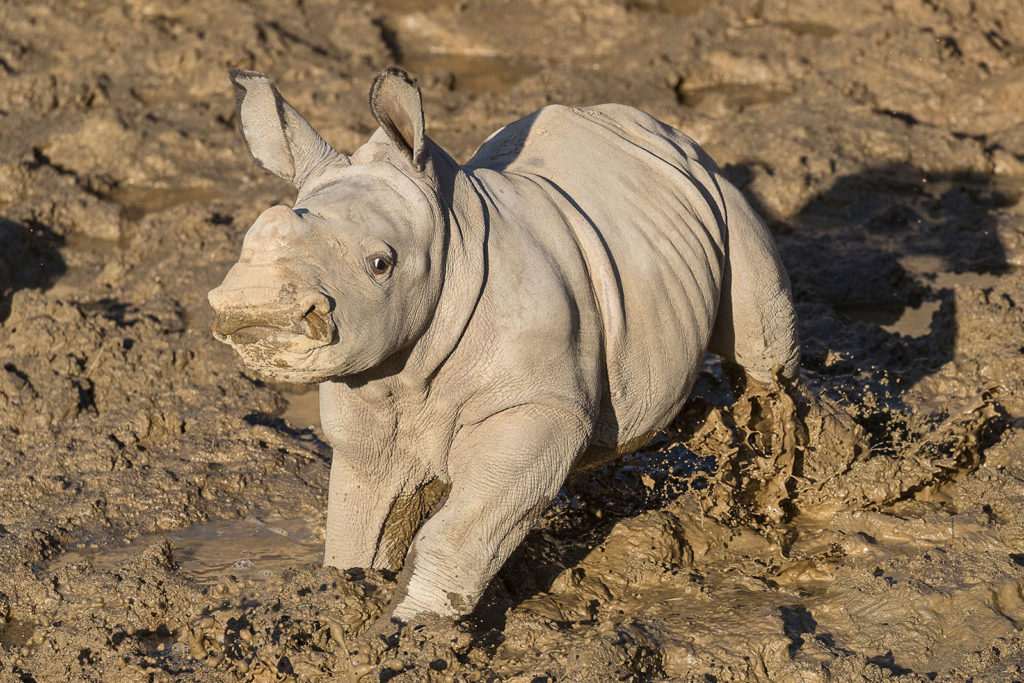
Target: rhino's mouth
x: 256, y: 333
x: 246, y: 329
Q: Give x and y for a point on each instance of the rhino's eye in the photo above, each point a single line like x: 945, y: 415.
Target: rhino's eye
x: 380, y: 265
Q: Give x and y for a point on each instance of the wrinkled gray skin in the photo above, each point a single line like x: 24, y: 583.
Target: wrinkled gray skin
x: 489, y: 329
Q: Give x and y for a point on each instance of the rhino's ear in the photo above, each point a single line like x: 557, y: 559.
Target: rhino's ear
x: 279, y: 138
x: 397, y: 105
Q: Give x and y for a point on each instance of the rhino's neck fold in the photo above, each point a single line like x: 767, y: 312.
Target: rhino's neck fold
x: 465, y: 264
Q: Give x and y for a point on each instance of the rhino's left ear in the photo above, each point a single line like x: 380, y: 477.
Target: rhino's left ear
x: 397, y: 105
x: 278, y: 137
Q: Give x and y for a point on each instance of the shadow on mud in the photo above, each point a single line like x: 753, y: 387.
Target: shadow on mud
x: 29, y: 259
x: 875, y: 248
x: 306, y: 435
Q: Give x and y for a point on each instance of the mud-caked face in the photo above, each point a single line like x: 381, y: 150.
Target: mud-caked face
x: 335, y: 285
x: 351, y: 275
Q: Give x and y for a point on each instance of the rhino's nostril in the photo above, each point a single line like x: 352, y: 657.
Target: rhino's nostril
x: 316, y: 325
x: 315, y: 301
x: 316, y: 317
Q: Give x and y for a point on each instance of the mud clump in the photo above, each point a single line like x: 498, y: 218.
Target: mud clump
x: 864, y: 524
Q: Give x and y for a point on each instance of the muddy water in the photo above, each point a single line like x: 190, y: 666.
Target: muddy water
x: 303, y: 410
x: 247, y: 549
x: 866, y: 528
x: 473, y: 74
x: 951, y: 611
x: 137, y: 201
x: 682, y: 8
x: 728, y: 97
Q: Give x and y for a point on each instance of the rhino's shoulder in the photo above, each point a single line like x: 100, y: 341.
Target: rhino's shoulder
x: 584, y: 134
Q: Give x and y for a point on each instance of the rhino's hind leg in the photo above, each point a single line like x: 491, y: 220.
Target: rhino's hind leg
x: 756, y: 325
x: 508, y: 467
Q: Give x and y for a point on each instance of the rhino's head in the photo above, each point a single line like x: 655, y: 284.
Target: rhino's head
x: 352, y: 273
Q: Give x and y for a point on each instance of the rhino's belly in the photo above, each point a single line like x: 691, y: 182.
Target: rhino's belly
x: 597, y: 455
x: 658, y: 315
x: 630, y: 418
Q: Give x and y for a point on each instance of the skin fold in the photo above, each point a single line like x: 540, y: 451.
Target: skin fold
x: 481, y: 332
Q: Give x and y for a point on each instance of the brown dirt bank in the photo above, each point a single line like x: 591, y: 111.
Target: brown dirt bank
x: 160, y: 519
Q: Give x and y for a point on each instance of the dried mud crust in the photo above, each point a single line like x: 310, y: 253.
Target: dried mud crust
x: 866, y: 526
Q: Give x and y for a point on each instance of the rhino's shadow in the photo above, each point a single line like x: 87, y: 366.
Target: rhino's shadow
x: 845, y: 252
x: 842, y: 251
x: 29, y: 259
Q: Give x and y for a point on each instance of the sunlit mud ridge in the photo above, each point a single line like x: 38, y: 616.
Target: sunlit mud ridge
x: 162, y: 510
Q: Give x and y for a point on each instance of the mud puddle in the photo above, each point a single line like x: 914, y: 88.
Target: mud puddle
x: 17, y: 633
x: 728, y: 96
x: 210, y: 552
x: 303, y: 411
x: 912, y: 321
x: 679, y: 8
x: 137, y: 201
x: 474, y: 74
x: 423, y: 43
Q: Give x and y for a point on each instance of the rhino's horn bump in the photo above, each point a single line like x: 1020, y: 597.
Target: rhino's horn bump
x: 397, y: 105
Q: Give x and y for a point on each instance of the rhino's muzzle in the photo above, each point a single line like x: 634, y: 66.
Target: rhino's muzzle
x: 310, y: 317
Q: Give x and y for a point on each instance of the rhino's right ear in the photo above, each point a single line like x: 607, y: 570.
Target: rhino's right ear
x: 397, y: 105
x: 278, y: 137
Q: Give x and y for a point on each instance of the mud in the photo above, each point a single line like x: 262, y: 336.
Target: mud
x: 161, y: 508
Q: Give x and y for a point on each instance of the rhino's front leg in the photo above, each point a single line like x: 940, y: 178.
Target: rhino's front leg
x: 370, y: 516
x: 504, y: 472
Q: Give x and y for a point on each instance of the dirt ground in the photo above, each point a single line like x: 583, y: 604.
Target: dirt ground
x: 162, y: 509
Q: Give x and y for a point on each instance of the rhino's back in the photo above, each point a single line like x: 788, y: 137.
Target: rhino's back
x: 643, y: 203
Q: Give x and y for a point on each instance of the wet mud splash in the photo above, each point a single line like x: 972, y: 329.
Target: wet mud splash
x: 864, y: 525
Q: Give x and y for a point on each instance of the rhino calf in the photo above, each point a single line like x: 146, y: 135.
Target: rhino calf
x: 487, y: 330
